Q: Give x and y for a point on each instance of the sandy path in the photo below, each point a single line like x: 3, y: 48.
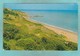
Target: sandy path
x: 71, y: 36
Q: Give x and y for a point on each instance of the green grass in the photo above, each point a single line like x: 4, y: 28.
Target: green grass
x: 21, y: 34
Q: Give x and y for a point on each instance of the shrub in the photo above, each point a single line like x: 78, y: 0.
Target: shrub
x: 72, y: 45
x: 6, y: 46
x: 44, y: 40
x: 28, y: 43
x: 10, y: 31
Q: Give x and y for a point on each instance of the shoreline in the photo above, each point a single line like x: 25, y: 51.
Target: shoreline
x: 71, y: 36
x: 35, y: 21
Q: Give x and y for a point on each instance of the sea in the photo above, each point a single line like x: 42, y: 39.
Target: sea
x: 65, y: 19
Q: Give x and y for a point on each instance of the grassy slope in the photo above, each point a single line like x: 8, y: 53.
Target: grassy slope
x: 21, y: 34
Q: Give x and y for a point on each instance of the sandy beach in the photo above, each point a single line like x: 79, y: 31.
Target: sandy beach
x: 71, y: 36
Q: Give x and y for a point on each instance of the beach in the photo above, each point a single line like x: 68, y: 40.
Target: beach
x: 71, y: 36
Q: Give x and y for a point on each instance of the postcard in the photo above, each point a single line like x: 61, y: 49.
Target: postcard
x: 39, y: 27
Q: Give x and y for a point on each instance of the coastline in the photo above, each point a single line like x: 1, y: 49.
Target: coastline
x: 71, y: 36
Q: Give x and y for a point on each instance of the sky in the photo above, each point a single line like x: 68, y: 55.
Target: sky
x: 59, y: 6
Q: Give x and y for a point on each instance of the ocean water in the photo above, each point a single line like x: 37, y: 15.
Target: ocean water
x: 66, y: 19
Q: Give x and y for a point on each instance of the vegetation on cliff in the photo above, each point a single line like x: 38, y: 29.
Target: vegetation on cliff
x: 21, y: 34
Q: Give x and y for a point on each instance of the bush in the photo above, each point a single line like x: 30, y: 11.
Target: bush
x: 8, y: 11
x: 27, y: 44
x: 44, y: 40
x: 10, y: 31
x: 72, y: 45
x: 5, y: 46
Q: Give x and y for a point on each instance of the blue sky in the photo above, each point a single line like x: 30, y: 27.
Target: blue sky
x: 58, y: 6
